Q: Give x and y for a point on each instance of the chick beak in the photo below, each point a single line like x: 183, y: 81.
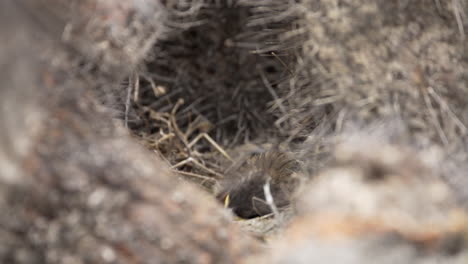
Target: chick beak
x: 226, y: 201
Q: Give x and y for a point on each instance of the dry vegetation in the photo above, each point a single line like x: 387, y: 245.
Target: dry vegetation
x: 342, y: 124
x: 210, y: 85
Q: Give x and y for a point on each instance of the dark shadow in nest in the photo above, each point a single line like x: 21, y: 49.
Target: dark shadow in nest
x: 211, y: 84
x: 243, y: 189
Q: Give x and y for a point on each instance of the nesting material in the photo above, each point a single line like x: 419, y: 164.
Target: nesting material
x: 209, y: 84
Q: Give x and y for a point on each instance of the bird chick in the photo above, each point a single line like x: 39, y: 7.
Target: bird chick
x: 243, y: 190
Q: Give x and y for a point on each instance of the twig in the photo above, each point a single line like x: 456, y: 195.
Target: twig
x: 434, y: 119
x: 212, y: 142
x: 206, y: 168
x: 195, y: 162
x: 136, y: 92
x: 128, y: 101
x: 445, y: 106
x: 206, y: 178
x: 458, y: 17
x: 282, y: 62
x: 201, y: 123
x: 272, y: 92
x: 177, y: 131
x: 164, y: 138
x: 182, y: 163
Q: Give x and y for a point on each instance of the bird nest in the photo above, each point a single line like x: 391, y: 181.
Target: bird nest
x: 210, y: 85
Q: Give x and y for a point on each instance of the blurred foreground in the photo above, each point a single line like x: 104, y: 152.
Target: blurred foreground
x: 122, y: 121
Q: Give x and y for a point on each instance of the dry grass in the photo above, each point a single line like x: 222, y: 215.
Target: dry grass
x: 211, y: 84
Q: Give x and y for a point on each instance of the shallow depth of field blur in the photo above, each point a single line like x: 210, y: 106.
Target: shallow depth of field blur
x: 234, y: 131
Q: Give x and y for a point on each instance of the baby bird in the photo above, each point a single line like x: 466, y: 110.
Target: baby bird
x: 243, y: 190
